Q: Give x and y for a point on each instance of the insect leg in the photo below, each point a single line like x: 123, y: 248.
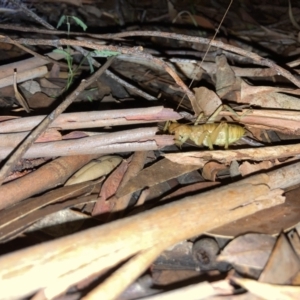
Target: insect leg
x: 214, y: 136
x: 235, y: 113
x: 199, y: 139
x: 213, y: 117
x: 166, y: 127
x: 198, y: 119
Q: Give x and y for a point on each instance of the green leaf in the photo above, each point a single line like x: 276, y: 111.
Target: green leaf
x: 61, y: 20
x: 89, y: 59
x: 80, y: 23
x: 61, y: 51
x: 106, y: 53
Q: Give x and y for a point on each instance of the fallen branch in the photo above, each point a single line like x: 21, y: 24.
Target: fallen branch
x: 93, y: 119
x: 96, y: 144
x: 78, y: 255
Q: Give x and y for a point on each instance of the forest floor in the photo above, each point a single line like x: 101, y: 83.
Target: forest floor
x: 149, y: 150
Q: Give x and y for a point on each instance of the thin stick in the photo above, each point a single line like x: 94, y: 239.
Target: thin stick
x: 205, y: 54
x: 20, y: 151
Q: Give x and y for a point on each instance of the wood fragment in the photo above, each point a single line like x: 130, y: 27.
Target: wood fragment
x: 121, y: 239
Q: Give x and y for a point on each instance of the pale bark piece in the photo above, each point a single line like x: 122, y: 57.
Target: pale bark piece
x: 13, y: 139
x: 87, y: 145
x: 200, y: 158
x: 23, y: 76
x: 27, y: 64
x: 94, y: 119
x: 78, y: 255
x: 283, y: 264
x: 269, y: 221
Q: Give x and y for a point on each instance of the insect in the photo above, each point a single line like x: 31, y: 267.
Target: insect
x: 209, y: 134
x: 220, y: 134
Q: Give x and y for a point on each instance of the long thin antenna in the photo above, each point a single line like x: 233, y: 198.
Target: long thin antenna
x: 208, y: 48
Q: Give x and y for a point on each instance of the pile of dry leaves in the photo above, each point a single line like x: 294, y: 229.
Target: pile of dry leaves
x: 149, y: 149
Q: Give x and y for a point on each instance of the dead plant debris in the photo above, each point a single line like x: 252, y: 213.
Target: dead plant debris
x: 149, y: 150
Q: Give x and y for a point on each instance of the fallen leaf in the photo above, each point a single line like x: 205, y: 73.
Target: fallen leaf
x: 248, y: 253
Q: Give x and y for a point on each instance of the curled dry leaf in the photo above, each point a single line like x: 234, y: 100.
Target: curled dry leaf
x: 95, y: 169
x: 211, y: 169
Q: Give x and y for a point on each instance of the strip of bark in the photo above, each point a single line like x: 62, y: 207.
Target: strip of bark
x: 200, y: 158
x: 94, y: 119
x: 45, y: 178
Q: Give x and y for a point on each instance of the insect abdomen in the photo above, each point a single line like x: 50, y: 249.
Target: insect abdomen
x: 220, y: 134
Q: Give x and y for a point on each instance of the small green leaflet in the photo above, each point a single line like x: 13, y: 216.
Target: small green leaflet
x: 79, y: 23
x: 61, y: 20
x: 105, y: 53
x: 61, y: 51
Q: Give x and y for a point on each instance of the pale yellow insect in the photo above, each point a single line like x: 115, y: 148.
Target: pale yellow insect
x: 209, y: 134
x: 220, y: 134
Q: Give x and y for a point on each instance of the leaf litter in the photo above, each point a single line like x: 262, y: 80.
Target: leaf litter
x: 184, y: 214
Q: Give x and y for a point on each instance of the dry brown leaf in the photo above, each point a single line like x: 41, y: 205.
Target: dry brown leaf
x: 211, y: 169
x: 109, y: 188
x: 95, y: 169
x: 160, y: 171
x: 207, y: 101
x: 283, y: 264
x: 18, y: 96
x: 295, y: 240
x: 226, y: 81
x: 268, y: 97
x: 248, y: 253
